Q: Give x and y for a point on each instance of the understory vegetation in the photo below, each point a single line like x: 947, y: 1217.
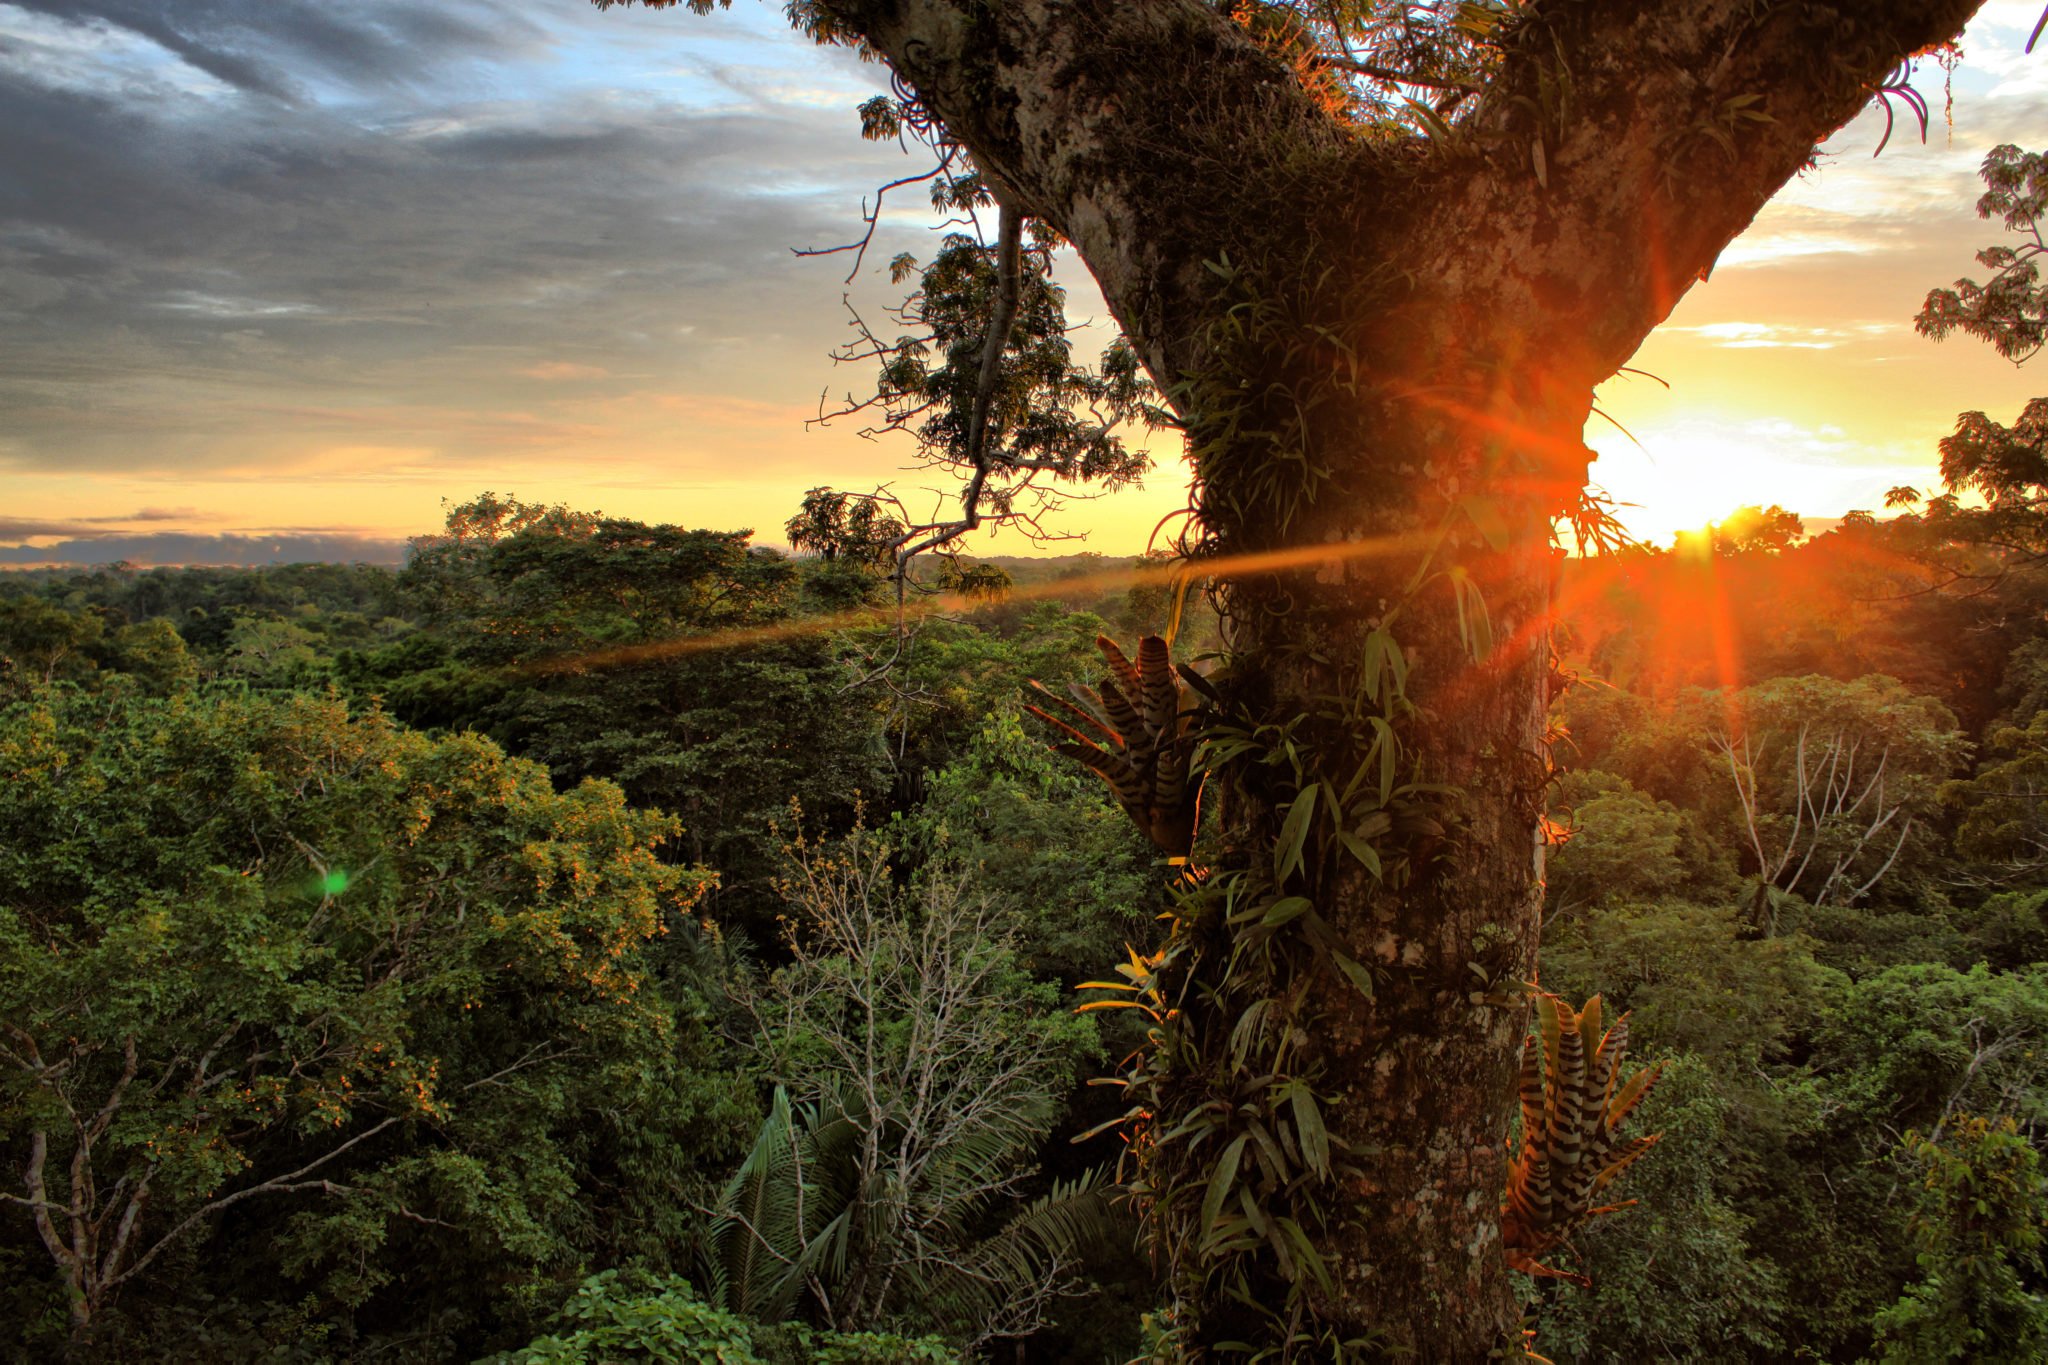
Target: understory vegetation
x: 575, y: 947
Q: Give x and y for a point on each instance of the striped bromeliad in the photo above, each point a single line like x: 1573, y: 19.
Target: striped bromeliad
x: 1573, y: 1105
x: 1133, y: 731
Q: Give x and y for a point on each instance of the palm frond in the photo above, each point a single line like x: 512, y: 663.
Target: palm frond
x: 975, y: 1289
x: 754, y: 1237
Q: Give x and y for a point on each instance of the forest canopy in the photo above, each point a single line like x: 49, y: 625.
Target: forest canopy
x: 445, y: 1052
x: 1371, y: 932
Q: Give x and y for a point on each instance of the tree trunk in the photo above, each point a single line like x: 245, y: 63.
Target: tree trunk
x: 1383, y: 348
x: 1435, y: 490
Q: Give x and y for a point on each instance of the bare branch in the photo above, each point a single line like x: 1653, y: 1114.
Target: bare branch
x: 281, y: 1184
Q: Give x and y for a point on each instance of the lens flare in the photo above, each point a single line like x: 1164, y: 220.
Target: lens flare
x: 739, y: 637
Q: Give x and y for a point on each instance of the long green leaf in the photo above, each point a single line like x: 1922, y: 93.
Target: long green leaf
x: 1308, y: 1122
x: 1287, y: 853
x: 1367, y: 855
x: 1220, y: 1181
x: 1305, y: 1252
x: 1354, y: 972
x: 1285, y: 909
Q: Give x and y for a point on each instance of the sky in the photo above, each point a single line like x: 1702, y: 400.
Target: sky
x: 281, y: 279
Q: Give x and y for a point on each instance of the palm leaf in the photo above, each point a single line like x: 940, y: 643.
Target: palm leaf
x: 753, y: 1238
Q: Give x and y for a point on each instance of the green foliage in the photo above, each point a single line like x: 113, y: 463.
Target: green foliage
x: 369, y: 1015
x: 1047, y: 413
x: 1910, y: 1045
x: 1832, y: 783
x: 1988, y: 520
x: 1827, y: 792
x: 2007, y: 930
x: 650, y: 656
x: 1652, y: 747
x: 1676, y: 1277
x: 154, y: 655
x: 1692, y: 978
x: 1788, y: 1233
x: 199, y: 601
x: 43, y: 642
x: 272, y: 653
x: 166, y: 628
x: 2005, y: 466
x: 951, y: 676
x: 1778, y: 1217
x: 1625, y: 846
x: 616, y: 1318
x: 926, y: 1066
x: 567, y: 585
x: 837, y: 526
x: 2004, y: 806
x: 639, y: 1318
x: 1073, y: 880
x: 982, y: 377
x: 1235, y: 1161
x: 975, y: 582
x: 1977, y: 1229
x: 2011, y: 311
x: 2024, y: 686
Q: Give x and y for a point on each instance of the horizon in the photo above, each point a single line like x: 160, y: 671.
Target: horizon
x: 249, y: 552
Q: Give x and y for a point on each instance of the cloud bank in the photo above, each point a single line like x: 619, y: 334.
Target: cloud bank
x: 245, y: 235
x: 174, y: 548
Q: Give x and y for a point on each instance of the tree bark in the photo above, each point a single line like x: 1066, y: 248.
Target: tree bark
x: 1388, y: 346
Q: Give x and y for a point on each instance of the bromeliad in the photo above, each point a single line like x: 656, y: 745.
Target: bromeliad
x: 1135, y: 732
x: 1572, y: 1109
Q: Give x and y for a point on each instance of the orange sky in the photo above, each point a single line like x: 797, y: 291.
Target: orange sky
x: 622, y: 328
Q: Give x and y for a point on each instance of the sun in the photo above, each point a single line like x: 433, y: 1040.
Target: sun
x: 1689, y: 473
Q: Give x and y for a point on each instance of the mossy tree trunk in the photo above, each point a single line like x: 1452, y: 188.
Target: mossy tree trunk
x: 1387, y: 345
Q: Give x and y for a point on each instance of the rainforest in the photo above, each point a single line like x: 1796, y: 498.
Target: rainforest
x: 1415, y: 908
x: 545, y: 950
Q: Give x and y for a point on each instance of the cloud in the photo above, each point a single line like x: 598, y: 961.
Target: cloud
x: 168, y: 548
x: 275, y: 48
x: 1773, y: 245
x: 356, y: 236
x: 1741, y: 335
x: 26, y: 528
x: 400, y: 245
x: 213, y: 306
x: 562, y: 369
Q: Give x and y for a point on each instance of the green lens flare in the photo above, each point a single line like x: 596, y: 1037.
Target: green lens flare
x: 334, y: 883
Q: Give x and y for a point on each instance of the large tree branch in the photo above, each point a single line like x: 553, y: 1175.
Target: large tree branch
x: 281, y: 1184
x: 1624, y: 145
x: 1628, y: 141
x: 1118, y: 121
x: 38, y: 1199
